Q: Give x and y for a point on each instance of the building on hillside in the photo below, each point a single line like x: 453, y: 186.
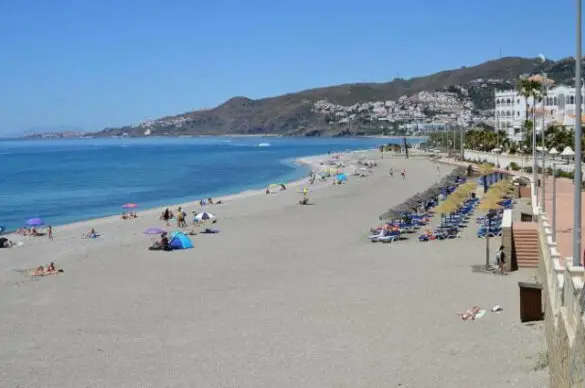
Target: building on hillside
x: 512, y: 110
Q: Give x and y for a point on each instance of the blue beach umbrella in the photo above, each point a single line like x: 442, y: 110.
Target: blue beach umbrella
x: 2, y: 229
x: 35, y: 222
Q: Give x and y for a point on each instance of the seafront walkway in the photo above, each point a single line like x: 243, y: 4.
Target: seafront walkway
x: 565, y: 202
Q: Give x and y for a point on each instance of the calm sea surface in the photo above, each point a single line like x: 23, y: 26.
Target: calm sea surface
x: 64, y: 181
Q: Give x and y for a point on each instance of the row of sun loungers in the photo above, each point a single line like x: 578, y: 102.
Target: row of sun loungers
x: 493, y: 227
x: 400, y: 228
x: 452, y: 224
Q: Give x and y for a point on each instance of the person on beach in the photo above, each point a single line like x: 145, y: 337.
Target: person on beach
x: 500, y: 260
x: 50, y: 270
x: 50, y: 233
x: 91, y: 234
x: 403, y: 173
x: 391, y: 172
x: 166, y: 216
x: 181, y: 218
x: 438, y: 172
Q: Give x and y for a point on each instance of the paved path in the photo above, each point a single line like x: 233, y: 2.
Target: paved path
x: 564, y: 214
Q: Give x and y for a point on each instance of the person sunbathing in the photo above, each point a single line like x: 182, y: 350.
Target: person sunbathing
x: 91, y: 234
x: 50, y: 270
x: 470, y: 314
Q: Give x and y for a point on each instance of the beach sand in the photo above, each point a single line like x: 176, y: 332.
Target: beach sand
x: 285, y: 296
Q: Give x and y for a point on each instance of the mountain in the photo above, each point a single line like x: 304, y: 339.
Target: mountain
x: 295, y: 113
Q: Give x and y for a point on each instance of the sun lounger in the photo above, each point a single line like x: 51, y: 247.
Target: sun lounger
x: 388, y: 239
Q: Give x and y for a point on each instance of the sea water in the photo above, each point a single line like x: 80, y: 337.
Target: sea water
x: 63, y: 181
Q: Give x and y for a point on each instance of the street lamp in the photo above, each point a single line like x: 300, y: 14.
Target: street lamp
x: 554, y: 202
x: 578, y: 156
x: 545, y: 84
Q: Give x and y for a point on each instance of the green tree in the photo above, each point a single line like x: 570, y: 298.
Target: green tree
x: 530, y: 87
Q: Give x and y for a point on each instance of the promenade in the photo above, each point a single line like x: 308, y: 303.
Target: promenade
x: 564, y: 214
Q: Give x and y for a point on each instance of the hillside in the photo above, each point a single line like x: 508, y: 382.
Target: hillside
x: 295, y: 113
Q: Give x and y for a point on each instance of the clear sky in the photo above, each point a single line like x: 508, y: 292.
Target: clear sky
x: 96, y: 63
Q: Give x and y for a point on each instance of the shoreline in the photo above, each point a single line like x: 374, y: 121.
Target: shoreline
x: 304, y: 163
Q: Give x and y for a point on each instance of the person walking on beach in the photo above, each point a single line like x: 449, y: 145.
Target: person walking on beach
x: 50, y: 233
x: 438, y: 172
x: 391, y: 172
x: 403, y: 173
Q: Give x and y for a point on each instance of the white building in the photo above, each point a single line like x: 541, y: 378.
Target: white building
x: 511, y: 110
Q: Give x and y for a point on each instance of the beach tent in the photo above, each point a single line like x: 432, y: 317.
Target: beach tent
x: 341, y: 177
x: 180, y: 241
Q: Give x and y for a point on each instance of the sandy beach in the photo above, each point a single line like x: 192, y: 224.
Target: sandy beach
x: 284, y: 296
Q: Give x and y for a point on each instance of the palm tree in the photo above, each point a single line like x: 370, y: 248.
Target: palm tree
x: 531, y: 87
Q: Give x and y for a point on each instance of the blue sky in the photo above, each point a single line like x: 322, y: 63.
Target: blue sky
x: 97, y: 63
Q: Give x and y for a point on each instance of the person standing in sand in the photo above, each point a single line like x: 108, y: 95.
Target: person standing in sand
x: 50, y: 233
x: 403, y: 173
x: 500, y: 260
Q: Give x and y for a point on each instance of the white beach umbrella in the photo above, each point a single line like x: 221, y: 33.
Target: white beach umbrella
x: 553, y: 151
x: 568, y: 151
x: 204, y: 216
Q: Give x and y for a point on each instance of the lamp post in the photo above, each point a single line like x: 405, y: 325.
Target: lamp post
x: 578, y: 156
x: 534, y: 165
x: 543, y: 150
x: 554, y: 202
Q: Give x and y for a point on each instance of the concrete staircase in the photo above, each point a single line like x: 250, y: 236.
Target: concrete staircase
x: 526, y: 247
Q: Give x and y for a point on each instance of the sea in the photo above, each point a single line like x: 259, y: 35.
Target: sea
x: 69, y: 180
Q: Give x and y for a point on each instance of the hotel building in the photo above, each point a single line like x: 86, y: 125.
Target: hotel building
x: 510, y: 110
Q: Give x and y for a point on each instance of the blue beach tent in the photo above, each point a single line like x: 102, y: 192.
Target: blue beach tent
x: 180, y: 241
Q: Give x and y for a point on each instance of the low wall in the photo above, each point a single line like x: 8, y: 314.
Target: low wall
x: 523, y: 161
x: 562, y: 298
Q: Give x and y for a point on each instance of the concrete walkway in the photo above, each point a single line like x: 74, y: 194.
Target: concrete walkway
x: 564, y: 214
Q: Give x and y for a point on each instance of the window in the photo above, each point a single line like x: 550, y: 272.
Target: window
x: 498, y: 101
x: 518, y: 101
x: 508, y: 102
x: 508, y: 113
x: 571, y: 100
x: 555, y: 101
x: 497, y: 113
x: 518, y: 113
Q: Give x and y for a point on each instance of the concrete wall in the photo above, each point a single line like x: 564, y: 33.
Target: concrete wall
x: 562, y: 299
x: 522, y: 161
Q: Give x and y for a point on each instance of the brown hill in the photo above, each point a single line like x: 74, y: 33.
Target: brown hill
x: 293, y: 113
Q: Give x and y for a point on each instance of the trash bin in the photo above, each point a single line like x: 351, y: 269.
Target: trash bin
x: 530, y: 302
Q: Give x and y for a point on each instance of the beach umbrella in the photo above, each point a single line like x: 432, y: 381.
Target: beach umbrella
x: 35, y: 222
x: 130, y: 205
x: 553, y: 151
x: 2, y: 229
x: 486, y: 169
x: 154, y: 231
x: 391, y: 214
x: 448, y: 206
x: 204, y: 216
x: 568, y: 151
